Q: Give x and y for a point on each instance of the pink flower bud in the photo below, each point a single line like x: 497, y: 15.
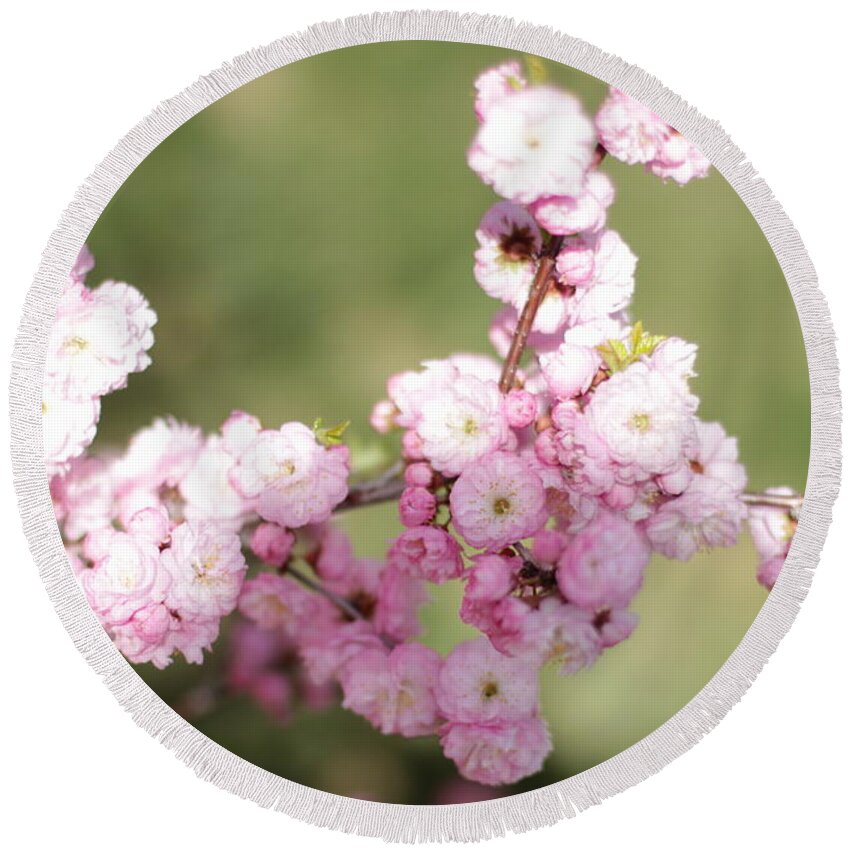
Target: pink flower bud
x: 418, y: 475
x: 272, y: 544
x: 382, y: 418
x: 416, y: 506
x: 490, y: 579
x: 548, y: 545
x: 570, y: 370
x: 545, y: 448
x: 520, y: 408
x: 411, y: 446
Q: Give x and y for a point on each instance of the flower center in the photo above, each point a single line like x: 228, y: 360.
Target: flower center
x: 470, y: 427
x: 640, y: 422
x: 75, y: 344
x: 518, y: 244
x: 489, y: 689
x: 287, y: 468
x: 205, y: 565
x: 501, y: 506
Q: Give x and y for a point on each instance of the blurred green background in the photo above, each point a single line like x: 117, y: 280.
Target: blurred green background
x: 312, y: 233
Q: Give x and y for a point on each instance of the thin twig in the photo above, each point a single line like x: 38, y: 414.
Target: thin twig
x: 387, y: 487
x: 539, y: 288
x: 792, y: 502
x: 341, y: 602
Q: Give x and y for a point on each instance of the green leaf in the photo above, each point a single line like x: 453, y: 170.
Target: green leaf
x: 618, y: 356
x: 330, y: 436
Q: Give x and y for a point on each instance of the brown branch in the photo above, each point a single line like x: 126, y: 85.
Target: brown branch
x: 387, y: 487
x: 792, y: 502
x: 536, y: 294
x: 341, y: 602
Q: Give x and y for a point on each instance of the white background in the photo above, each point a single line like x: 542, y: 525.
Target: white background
x: 78, y: 76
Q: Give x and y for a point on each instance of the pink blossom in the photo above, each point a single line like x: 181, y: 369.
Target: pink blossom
x: 239, y: 431
x: 602, y: 566
x: 208, y: 491
x: 615, y: 626
x: 548, y: 544
x: 427, y: 552
x: 84, y: 497
x: 520, y: 408
x: 498, y: 501
x: 707, y: 514
x: 558, y: 632
x: 600, y: 267
x: 645, y: 423
x: 587, y: 211
x: 82, y: 266
x: 68, y: 426
x: 272, y: 544
x: 326, y: 651
x: 410, y: 392
x: 478, y: 684
x: 491, y: 578
x: 394, y: 690
x: 207, y: 568
x: 98, y: 338
x: 335, y: 562
x: 191, y: 638
x: 143, y: 638
x: 416, y: 506
x: 534, y: 143
x: 628, y: 130
x: 126, y: 575
x: 771, y: 528
x: 717, y: 456
x: 679, y: 160
x: 252, y: 651
x: 509, y: 243
x: 496, y: 83
x: 769, y: 570
x: 399, y: 598
x: 497, y: 753
x: 462, y: 423
x: 274, y: 693
x: 295, y: 480
x: 418, y: 475
x: 582, y: 451
x: 382, y: 417
x: 159, y: 456
x: 277, y: 603
x: 570, y: 370
x: 675, y: 358
x: 411, y: 446
x: 634, y: 134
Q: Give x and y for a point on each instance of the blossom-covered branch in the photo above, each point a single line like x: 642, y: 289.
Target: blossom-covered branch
x: 544, y: 481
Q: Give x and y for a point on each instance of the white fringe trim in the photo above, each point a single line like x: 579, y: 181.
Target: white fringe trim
x: 471, y: 821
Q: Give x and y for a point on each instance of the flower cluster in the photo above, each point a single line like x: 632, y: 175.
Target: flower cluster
x: 99, y: 336
x: 544, y: 487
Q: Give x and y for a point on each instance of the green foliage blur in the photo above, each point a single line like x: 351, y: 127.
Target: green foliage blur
x: 312, y: 233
